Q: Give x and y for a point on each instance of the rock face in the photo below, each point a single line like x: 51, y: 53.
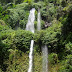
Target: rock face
x: 47, y: 24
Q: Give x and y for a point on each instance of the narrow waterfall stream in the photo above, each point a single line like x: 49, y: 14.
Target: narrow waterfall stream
x: 31, y: 57
x: 30, y: 27
x: 44, y: 48
x: 39, y: 22
x: 31, y: 18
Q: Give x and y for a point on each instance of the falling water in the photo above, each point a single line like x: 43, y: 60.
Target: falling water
x: 44, y: 48
x: 45, y: 58
x: 31, y: 57
x: 31, y: 18
x: 38, y: 24
x: 30, y: 27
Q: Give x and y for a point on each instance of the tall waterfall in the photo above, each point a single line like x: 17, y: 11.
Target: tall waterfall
x: 44, y: 48
x: 31, y: 18
x: 39, y: 22
x: 30, y: 27
x: 45, y: 58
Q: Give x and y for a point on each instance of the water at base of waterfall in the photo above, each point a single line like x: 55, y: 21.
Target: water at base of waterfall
x: 45, y: 58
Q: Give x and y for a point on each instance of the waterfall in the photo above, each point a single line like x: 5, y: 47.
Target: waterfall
x: 44, y: 48
x: 30, y: 27
x: 45, y: 58
x: 38, y: 19
x: 31, y: 57
x: 31, y: 18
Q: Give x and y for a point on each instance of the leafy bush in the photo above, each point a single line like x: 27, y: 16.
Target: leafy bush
x: 67, y: 22
x: 39, y: 4
x: 53, y: 58
x: 18, y: 17
x: 67, y: 65
x: 48, y: 13
x: 19, y: 39
x: 68, y: 47
x: 52, y: 34
x: 19, y: 63
x: 3, y: 26
x: 11, y: 42
x: 1, y: 11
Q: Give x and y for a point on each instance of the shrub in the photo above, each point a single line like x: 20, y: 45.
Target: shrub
x: 68, y: 47
x: 50, y: 36
x: 3, y: 26
x: 67, y: 64
x: 53, y: 58
x: 19, y: 39
x: 51, y: 33
x: 18, y: 17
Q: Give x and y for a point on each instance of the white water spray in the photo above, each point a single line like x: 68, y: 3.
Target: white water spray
x: 38, y: 19
x: 30, y: 27
x: 31, y: 18
x: 45, y: 58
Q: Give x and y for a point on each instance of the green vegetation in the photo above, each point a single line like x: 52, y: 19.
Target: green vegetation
x: 15, y: 40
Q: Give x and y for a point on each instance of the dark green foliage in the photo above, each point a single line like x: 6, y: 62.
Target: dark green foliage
x: 3, y: 2
x: 51, y: 36
x: 48, y: 12
x: 23, y: 40
x: 67, y: 65
x: 67, y: 22
x: 53, y: 58
x: 37, y: 38
x: 0, y: 8
x: 15, y: 42
x: 17, y: 39
x: 39, y: 4
x: 64, y: 3
x: 18, y: 18
x: 19, y: 63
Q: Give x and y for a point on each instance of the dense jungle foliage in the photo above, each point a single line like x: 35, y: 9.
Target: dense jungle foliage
x: 15, y: 40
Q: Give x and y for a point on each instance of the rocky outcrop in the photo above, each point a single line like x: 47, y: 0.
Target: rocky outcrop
x: 47, y: 24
